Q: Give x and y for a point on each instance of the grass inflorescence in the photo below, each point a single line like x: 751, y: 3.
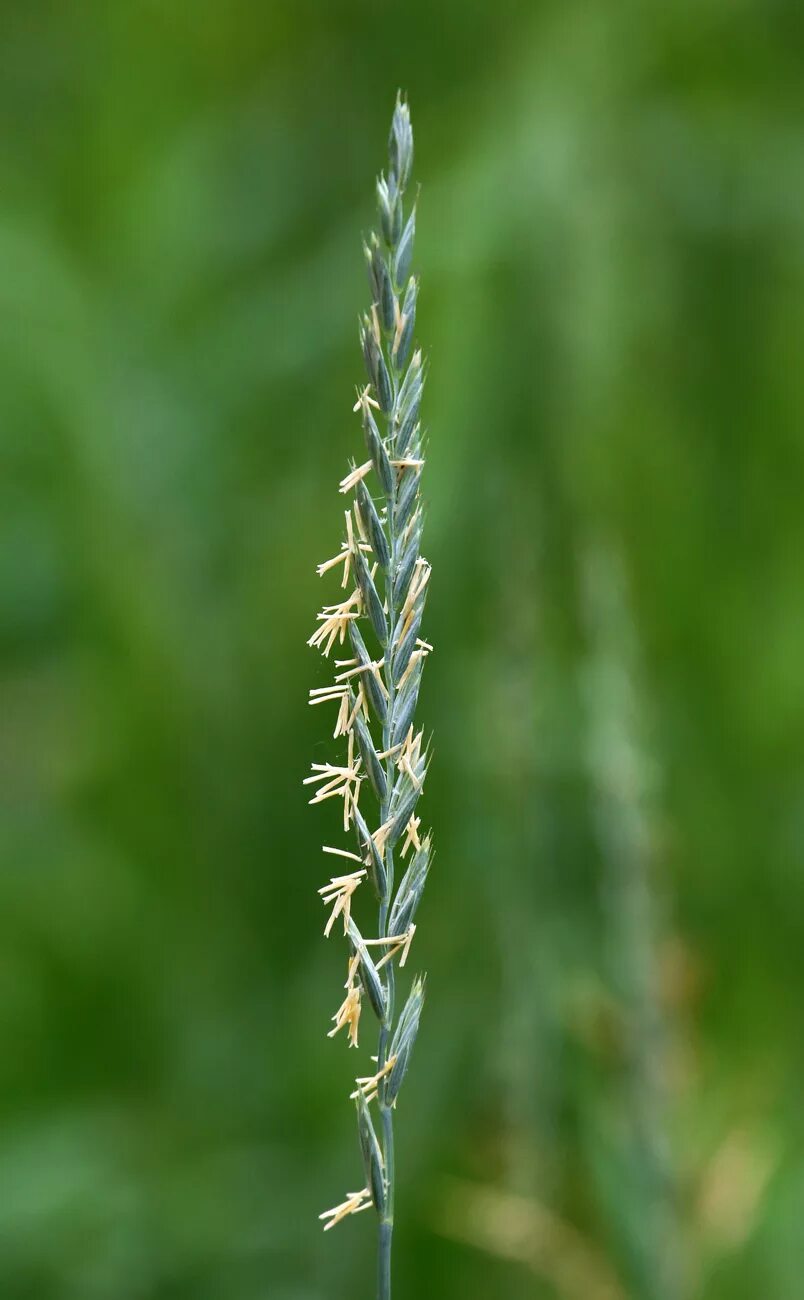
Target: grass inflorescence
x: 375, y: 689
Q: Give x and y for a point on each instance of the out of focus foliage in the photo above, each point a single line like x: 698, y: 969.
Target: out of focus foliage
x: 612, y: 261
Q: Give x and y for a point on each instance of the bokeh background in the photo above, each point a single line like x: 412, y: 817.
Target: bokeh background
x: 606, y: 1099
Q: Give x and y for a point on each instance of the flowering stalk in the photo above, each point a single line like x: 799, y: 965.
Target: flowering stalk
x: 376, y: 688
x: 624, y: 787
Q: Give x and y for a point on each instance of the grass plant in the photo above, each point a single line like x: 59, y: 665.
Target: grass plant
x: 375, y: 690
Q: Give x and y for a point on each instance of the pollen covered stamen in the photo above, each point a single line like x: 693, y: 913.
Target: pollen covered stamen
x: 381, y: 835
x: 348, y: 1012
x: 401, y: 944
x: 353, y: 478
x: 345, y: 554
x: 334, y: 620
x: 369, y: 1084
x: 359, y: 707
x: 423, y: 649
x: 338, y: 782
x: 411, y: 836
x: 338, y: 894
x: 420, y: 579
x: 341, y: 853
x: 371, y: 667
x: 363, y: 399
x: 410, y: 758
x: 400, y: 321
x: 354, y: 1203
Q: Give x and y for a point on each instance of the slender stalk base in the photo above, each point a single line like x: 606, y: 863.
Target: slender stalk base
x: 387, y: 1221
x: 384, y: 1261
x: 386, y: 1227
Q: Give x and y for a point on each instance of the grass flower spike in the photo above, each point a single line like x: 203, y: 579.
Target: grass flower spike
x: 375, y: 689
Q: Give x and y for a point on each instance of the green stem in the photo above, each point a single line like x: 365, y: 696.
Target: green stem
x: 384, y: 1261
x: 387, y: 1139
x: 386, y: 1228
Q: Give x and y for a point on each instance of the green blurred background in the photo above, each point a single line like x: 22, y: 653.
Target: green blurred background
x: 606, y: 1097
